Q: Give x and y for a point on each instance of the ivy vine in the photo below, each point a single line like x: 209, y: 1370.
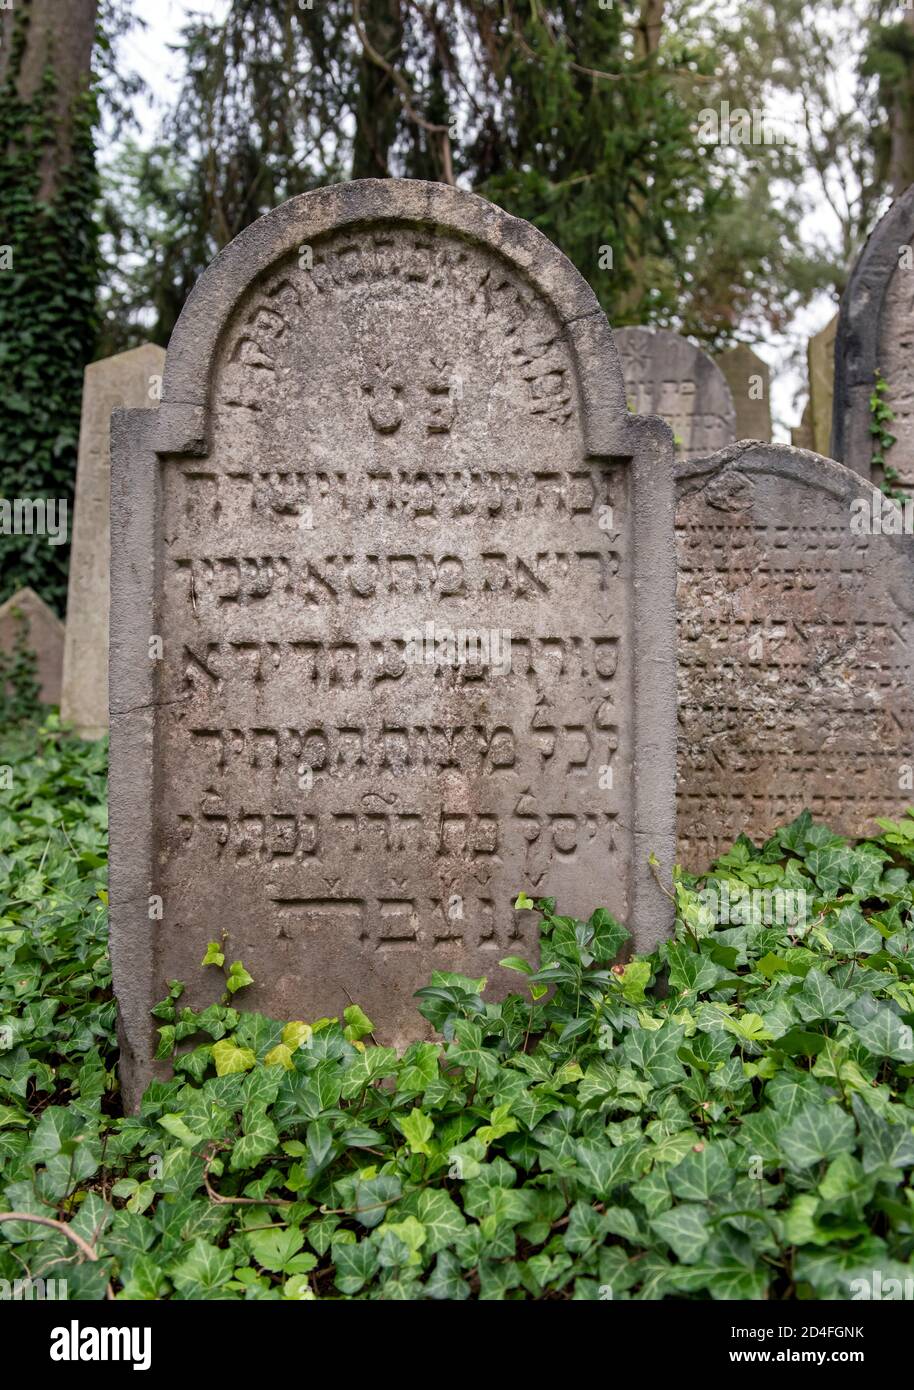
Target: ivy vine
x: 47, y: 309
x: 881, y: 417
x: 20, y: 690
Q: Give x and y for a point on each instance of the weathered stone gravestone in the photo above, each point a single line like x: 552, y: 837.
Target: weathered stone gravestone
x: 801, y: 437
x: 796, y: 687
x: 44, y: 635
x: 668, y: 376
x: 749, y: 379
x: 131, y: 379
x: 876, y: 332
x: 820, y: 359
x: 404, y: 555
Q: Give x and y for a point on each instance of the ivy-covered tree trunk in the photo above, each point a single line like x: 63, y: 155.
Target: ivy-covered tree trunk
x: 48, y: 266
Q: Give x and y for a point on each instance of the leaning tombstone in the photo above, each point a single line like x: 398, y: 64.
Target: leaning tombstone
x: 26, y: 622
x: 749, y: 379
x: 128, y: 379
x: 796, y: 616
x: 874, y: 339
x: 392, y: 622
x: 668, y: 376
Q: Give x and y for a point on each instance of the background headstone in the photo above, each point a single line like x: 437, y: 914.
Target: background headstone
x: 749, y: 379
x: 131, y: 378
x: 820, y: 357
x: 391, y: 413
x: 801, y: 437
x: 876, y: 331
x: 45, y: 635
x: 796, y: 686
x: 668, y: 376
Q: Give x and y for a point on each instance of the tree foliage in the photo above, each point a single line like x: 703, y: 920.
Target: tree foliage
x: 582, y: 118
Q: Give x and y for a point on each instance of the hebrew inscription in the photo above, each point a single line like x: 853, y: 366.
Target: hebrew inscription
x: 396, y: 456
x: 796, y: 634
x: 402, y: 560
x: 668, y: 376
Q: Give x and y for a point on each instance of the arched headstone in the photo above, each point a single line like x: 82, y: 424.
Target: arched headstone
x: 400, y: 555
x: 796, y: 627
x: 876, y: 333
x: 668, y: 376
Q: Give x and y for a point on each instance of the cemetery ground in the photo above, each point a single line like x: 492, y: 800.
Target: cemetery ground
x: 726, y: 1118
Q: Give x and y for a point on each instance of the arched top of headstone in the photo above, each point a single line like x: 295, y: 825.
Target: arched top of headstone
x: 732, y: 469
x: 859, y: 336
x: 730, y: 480
x: 669, y: 376
x: 271, y: 277
x: 795, y: 606
x: 418, y: 455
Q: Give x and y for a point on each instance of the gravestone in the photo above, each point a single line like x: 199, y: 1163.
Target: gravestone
x: 795, y: 641
x: 820, y: 357
x: 801, y: 436
x: 128, y: 379
x: 876, y: 332
x: 749, y: 379
x: 400, y: 555
x: 44, y: 635
x: 668, y: 376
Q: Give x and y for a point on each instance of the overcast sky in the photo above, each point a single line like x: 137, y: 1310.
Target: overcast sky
x: 149, y: 53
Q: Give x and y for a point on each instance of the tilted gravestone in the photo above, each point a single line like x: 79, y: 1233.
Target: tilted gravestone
x: 796, y: 687
x: 128, y: 379
x: 404, y: 555
x: 668, y: 376
x: 749, y: 379
x: 876, y: 333
x: 43, y: 633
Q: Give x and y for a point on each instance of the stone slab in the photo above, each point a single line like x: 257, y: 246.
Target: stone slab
x: 801, y: 437
x: 820, y: 357
x: 127, y: 380
x: 45, y: 638
x: 749, y: 379
x: 393, y: 419
x: 796, y: 650
x: 668, y: 376
x: 876, y: 332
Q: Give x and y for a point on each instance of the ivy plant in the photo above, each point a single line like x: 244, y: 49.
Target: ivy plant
x: 728, y: 1117
x: 881, y: 418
